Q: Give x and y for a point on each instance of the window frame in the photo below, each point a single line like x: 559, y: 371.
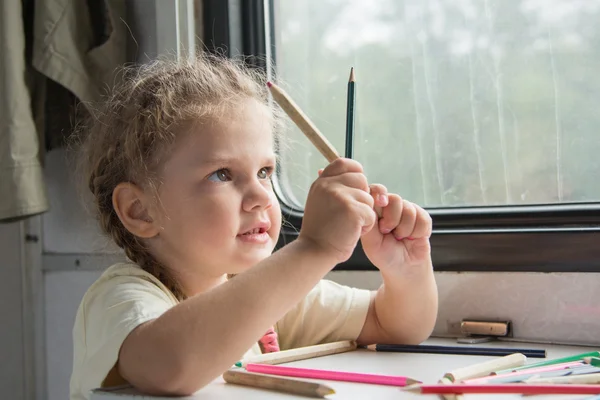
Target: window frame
x: 530, y: 238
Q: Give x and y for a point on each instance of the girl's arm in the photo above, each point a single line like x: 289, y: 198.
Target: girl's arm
x: 404, y: 309
x: 194, y: 342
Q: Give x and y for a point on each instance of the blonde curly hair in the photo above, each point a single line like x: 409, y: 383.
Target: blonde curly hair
x: 127, y: 137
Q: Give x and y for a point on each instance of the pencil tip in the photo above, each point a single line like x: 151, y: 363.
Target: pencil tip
x: 411, y: 381
x: 351, y: 75
x: 412, y: 388
x: 269, y: 84
x: 371, y: 347
x: 238, y: 364
x: 324, y: 390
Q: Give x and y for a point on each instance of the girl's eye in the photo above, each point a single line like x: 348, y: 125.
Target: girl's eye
x: 264, y: 173
x: 221, y: 175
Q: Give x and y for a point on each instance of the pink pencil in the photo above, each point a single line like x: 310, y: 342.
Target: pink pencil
x: 331, y: 375
x: 547, y: 368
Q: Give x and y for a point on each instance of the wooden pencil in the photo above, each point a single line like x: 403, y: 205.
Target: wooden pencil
x: 485, y: 368
x: 307, y: 127
x: 517, y: 388
x: 523, y: 374
x: 577, y: 357
x: 528, y: 377
x: 301, y: 353
x: 303, y: 122
x: 446, y: 381
x: 573, y: 379
x: 479, y: 370
x: 350, y: 108
x: 286, y: 385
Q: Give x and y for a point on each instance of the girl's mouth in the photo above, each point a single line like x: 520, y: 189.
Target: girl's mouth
x: 255, y: 236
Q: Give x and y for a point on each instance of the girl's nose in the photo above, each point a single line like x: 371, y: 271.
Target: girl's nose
x: 257, y: 197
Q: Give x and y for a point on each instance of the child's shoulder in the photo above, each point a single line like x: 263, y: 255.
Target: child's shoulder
x: 126, y: 269
x: 125, y: 272
x: 126, y: 277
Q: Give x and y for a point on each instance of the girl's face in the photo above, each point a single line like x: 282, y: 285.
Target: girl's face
x: 219, y: 213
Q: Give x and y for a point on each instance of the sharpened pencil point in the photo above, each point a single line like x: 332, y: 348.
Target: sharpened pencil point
x: 325, y: 391
x: 372, y: 347
x: 352, y: 75
x: 269, y: 84
x: 416, y: 388
x: 238, y: 364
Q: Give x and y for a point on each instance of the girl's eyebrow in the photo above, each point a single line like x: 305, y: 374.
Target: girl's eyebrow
x: 225, y: 160
x: 214, y: 161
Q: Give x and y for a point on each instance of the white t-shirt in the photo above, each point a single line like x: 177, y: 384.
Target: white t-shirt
x: 126, y: 296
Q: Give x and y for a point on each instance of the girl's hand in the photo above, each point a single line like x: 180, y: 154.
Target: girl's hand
x: 401, y: 237
x: 339, y: 209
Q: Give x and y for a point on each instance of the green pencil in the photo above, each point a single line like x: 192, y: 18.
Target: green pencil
x: 350, y: 106
x: 577, y: 357
x: 594, y: 361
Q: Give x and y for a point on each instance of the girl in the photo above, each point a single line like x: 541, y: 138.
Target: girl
x: 179, y: 161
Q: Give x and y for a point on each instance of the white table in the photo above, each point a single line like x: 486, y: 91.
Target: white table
x: 428, y: 368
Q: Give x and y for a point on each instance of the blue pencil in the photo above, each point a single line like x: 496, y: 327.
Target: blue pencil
x: 463, y: 350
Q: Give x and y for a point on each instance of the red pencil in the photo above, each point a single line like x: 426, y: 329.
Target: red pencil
x: 519, y: 388
x: 330, y: 375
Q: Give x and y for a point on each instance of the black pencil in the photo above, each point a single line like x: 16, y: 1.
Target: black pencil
x: 350, y: 106
x: 463, y: 350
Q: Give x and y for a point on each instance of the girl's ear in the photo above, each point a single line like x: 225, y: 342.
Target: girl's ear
x: 132, y: 205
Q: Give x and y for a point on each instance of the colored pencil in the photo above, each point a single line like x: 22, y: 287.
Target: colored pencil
x: 542, y: 375
x: 285, y: 385
x: 595, y: 361
x: 331, y: 375
x: 578, y: 357
x: 485, y: 368
x: 307, y: 127
x: 350, y: 108
x: 480, y: 369
x: 303, y: 123
x: 302, y: 353
x: 463, y: 350
x: 523, y: 373
x: 590, y: 369
x: 573, y: 379
x: 518, y: 388
x: 446, y: 381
